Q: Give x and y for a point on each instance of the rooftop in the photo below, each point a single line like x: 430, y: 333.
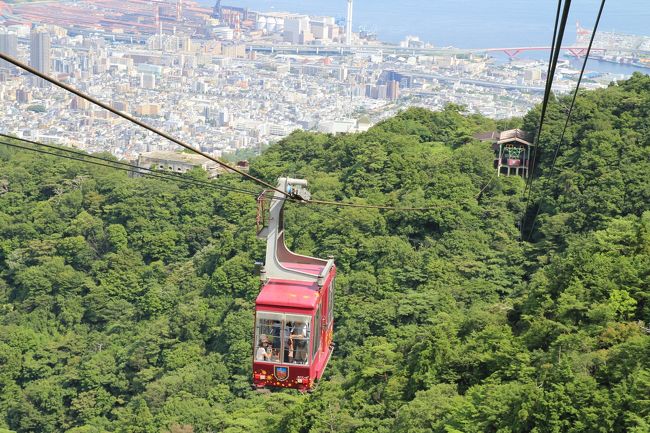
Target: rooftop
x: 292, y: 293
x: 289, y: 294
x: 506, y: 136
x: 515, y: 134
x: 175, y: 156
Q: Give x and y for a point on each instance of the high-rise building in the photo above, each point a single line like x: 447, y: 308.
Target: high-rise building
x: 297, y: 29
x: 152, y: 110
x: 224, y: 117
x: 322, y: 28
x: 9, y: 46
x: 40, y: 54
x: 382, y: 91
x: 405, y: 81
x: 148, y: 81
x: 78, y: 103
x: 234, y: 50
x: 121, y: 105
x: 369, y: 90
x: 393, y: 90
x: 23, y: 96
x: 342, y: 73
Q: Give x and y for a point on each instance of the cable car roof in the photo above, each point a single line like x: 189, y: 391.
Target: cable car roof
x: 289, y: 294
x: 309, y: 268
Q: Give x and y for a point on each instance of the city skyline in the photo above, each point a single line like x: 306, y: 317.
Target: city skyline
x: 236, y: 80
x: 466, y: 23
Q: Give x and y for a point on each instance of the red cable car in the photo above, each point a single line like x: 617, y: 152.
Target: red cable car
x: 294, y: 312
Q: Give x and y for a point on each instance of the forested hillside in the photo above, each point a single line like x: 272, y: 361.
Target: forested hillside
x: 127, y: 304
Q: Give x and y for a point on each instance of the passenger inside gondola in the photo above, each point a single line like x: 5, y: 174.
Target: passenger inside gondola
x: 269, y: 330
x: 264, y: 350
x: 282, y: 338
x: 275, y: 334
x: 300, y: 342
x: 288, y: 343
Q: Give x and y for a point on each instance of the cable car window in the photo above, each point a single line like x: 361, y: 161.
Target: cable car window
x: 297, y: 332
x: 316, y: 334
x: 268, y: 329
x: 330, y: 304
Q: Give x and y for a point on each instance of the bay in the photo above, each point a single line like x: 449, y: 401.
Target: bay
x: 467, y: 23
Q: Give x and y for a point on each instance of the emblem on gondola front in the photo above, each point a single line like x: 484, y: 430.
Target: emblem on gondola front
x: 281, y: 373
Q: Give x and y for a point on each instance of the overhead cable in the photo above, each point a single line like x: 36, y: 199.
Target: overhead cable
x: 141, y: 170
x: 555, y: 28
x: 167, y: 136
x: 558, y: 37
x: 81, y: 157
x: 568, y: 117
x: 132, y: 119
x: 129, y: 168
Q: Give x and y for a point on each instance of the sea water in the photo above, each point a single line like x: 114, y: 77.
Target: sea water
x: 474, y: 23
x: 468, y: 23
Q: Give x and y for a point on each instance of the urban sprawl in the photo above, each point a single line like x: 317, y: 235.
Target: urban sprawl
x: 227, y: 79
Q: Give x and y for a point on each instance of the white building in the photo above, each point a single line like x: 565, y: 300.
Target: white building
x: 177, y: 162
x: 224, y: 33
x: 148, y: 81
x: 297, y: 30
x: 337, y: 126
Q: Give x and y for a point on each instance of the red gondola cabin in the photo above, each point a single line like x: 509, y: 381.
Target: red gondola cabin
x: 294, y: 312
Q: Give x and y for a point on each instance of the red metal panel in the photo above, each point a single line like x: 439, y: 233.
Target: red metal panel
x: 312, y: 269
x: 299, y: 376
x: 289, y: 294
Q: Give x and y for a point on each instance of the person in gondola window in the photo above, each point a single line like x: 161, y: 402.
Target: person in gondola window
x: 300, y: 329
x: 300, y: 342
x: 264, y: 351
x: 288, y: 343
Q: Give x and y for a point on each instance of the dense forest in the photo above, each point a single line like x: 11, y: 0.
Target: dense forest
x: 127, y: 303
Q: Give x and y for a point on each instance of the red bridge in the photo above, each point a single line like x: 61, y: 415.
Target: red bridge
x: 513, y: 52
